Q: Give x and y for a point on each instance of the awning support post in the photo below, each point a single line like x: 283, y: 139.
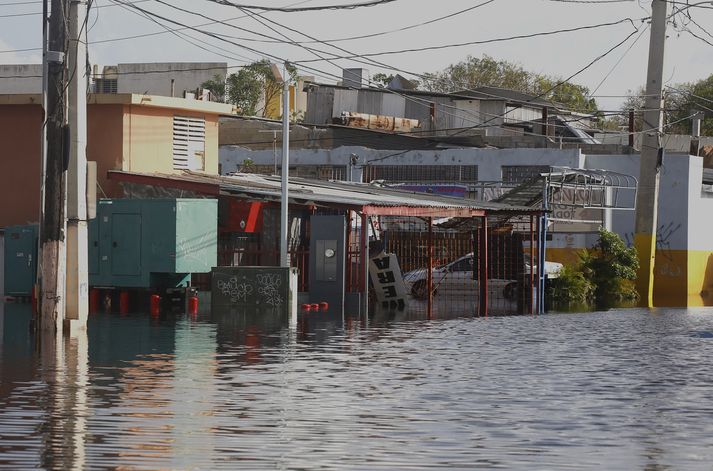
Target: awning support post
x: 483, y: 268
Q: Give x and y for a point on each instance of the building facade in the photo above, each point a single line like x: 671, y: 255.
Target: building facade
x: 124, y: 132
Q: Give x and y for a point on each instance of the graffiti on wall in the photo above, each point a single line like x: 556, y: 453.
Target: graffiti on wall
x: 665, y: 264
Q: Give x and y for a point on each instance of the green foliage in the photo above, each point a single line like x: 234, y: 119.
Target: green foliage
x: 611, y: 267
x: 216, y: 86
x: 570, y: 287
x: 604, y: 274
x: 381, y: 79
x: 486, y: 71
x: 255, y: 85
x: 692, y: 98
x: 679, y: 104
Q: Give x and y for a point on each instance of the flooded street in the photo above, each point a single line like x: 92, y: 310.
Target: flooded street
x: 626, y: 389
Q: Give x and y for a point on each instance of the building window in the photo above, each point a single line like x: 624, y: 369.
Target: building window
x: 522, y: 173
x: 422, y: 173
x: 188, y: 143
x: 105, y: 86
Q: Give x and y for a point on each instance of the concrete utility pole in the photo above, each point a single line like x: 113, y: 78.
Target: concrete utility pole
x: 651, y: 156
x: 52, y: 223
x: 77, y: 305
x: 284, y: 206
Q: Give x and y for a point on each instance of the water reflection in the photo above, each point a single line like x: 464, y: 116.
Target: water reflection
x: 621, y: 389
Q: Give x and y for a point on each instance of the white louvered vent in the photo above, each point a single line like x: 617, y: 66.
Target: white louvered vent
x: 188, y: 143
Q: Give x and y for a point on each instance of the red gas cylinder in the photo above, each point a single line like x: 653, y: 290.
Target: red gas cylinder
x: 193, y: 305
x: 324, y: 305
x: 155, y: 305
x: 315, y: 307
x: 33, y: 299
x: 93, y: 300
x: 124, y: 302
x: 307, y: 307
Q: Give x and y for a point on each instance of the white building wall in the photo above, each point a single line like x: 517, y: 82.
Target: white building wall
x: 489, y: 161
x: 20, y: 79
x: 155, y: 78
x: 467, y: 113
x: 700, y: 234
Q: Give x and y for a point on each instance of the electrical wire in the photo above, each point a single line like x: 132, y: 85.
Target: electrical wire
x: 352, y: 6
x: 489, y: 41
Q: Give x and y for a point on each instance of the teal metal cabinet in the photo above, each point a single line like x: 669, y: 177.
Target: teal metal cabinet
x: 20, y: 259
x: 152, y: 243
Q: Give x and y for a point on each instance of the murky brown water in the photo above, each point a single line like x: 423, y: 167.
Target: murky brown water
x: 625, y: 389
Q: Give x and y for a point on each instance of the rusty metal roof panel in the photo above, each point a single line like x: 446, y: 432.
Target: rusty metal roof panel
x: 317, y: 192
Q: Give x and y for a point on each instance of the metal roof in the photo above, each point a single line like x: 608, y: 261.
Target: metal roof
x: 368, y: 198
x: 587, y: 189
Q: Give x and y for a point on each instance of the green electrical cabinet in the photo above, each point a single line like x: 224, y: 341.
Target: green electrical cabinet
x: 152, y: 243
x: 20, y: 257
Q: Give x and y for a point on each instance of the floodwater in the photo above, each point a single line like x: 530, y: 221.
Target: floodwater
x: 627, y: 389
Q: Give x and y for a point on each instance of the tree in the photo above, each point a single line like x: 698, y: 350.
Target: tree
x: 692, y: 98
x: 604, y: 274
x: 477, y: 72
x: 254, y: 89
x: 611, y: 266
x: 216, y: 86
x: 382, y: 80
x: 675, y: 106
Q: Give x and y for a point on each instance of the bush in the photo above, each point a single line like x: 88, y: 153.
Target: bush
x: 570, y: 287
x: 611, y: 266
x: 604, y: 274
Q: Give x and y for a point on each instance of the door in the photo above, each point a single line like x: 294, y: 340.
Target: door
x: 20, y: 260
x: 126, y: 244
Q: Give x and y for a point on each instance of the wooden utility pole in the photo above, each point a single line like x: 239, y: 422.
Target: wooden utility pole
x: 651, y: 156
x: 52, y: 223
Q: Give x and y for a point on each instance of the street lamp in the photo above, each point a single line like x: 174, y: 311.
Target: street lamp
x: 284, y: 203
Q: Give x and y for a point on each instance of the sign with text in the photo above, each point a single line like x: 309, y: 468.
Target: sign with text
x: 389, y: 286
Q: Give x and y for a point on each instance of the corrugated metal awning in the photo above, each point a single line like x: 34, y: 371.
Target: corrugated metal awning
x: 366, y: 198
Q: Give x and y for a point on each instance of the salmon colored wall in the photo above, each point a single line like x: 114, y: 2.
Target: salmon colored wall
x: 149, y: 139
x: 105, y: 144
x: 20, y: 164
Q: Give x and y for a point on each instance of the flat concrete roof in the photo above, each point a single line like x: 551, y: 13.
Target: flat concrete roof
x: 131, y: 99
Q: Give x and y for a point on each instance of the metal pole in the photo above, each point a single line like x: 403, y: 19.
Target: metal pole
x: 284, y: 205
x: 77, y: 307
x: 538, y: 224
x: 429, y: 274
x: 696, y: 134
x: 274, y: 150
x: 531, y: 286
x: 483, y: 269
x: 365, y: 261
x: 651, y: 156
x: 632, y: 128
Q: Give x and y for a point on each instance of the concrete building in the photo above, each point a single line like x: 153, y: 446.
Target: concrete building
x: 170, y: 79
x: 20, y: 78
x: 484, y: 111
x: 125, y: 132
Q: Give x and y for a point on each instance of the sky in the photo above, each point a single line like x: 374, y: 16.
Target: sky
x: 247, y: 38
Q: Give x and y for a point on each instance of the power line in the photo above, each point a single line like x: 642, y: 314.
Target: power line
x: 594, y: 61
x: 303, y: 9
x: 405, y: 28
x: 488, y: 41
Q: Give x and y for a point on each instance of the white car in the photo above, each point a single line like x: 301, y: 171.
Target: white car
x: 456, y: 277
